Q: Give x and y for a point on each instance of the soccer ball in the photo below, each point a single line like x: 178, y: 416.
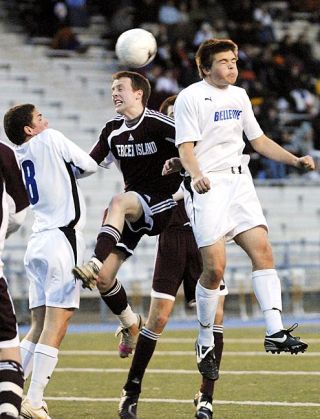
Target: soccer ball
x: 136, y: 48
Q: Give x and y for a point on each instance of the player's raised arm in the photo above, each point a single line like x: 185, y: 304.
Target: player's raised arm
x: 83, y: 163
x: 270, y: 149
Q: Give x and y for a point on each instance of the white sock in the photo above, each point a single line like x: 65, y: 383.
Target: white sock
x: 127, y: 317
x: 44, y: 361
x: 27, y: 350
x: 273, y: 321
x: 207, y: 302
x: 267, y: 289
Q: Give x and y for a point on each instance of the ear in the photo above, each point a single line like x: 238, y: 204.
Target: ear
x: 206, y: 70
x: 139, y: 94
x: 28, y: 130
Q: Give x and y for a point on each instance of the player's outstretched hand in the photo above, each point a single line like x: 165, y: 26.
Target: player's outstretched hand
x: 306, y: 162
x: 201, y: 184
x: 171, y: 166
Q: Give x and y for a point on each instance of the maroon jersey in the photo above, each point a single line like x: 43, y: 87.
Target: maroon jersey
x: 140, y: 151
x: 12, y: 177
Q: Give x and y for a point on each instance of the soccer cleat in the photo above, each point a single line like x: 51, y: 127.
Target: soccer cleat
x: 203, y: 403
x: 29, y: 412
x: 283, y: 341
x: 88, y: 273
x: 128, y: 405
x: 206, y: 362
x: 128, y: 341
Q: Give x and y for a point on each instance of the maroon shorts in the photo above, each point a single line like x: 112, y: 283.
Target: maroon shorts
x: 158, y: 208
x: 8, y: 329
x: 178, y: 261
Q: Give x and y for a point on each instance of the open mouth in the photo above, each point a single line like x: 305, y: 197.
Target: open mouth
x: 118, y: 102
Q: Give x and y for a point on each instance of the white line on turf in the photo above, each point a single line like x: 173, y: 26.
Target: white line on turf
x: 181, y: 371
x: 226, y: 340
x: 176, y: 353
x: 246, y: 402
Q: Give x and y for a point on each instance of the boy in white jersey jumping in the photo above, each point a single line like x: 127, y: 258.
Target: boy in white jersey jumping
x: 50, y: 164
x: 211, y: 116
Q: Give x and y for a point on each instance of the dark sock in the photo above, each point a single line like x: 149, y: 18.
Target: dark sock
x: 146, y: 345
x: 116, y: 298
x: 11, y: 381
x: 207, y: 386
x: 106, y: 241
x: 218, y: 348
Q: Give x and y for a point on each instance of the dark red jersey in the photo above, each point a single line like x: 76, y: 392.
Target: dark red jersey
x: 140, y: 151
x: 12, y: 177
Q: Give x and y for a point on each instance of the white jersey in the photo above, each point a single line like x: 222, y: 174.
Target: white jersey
x: 215, y: 119
x: 49, y: 162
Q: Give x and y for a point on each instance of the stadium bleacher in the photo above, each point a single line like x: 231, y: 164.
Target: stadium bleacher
x: 73, y: 92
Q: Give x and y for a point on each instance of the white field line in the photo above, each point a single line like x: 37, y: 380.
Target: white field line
x: 178, y: 353
x: 226, y: 340
x: 246, y: 402
x: 187, y: 372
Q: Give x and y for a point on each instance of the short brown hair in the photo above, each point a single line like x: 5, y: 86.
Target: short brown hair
x: 14, y: 121
x: 166, y: 103
x: 138, y: 82
x: 207, y: 50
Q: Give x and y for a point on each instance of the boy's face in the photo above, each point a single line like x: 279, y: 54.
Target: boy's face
x: 124, y: 97
x: 39, y: 123
x: 224, y: 69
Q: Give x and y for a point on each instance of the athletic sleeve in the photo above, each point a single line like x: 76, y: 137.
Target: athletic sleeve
x: 185, y: 116
x: 101, y: 149
x: 84, y: 165
x: 251, y: 126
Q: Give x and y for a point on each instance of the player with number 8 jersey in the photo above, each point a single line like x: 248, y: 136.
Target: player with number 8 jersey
x: 50, y: 164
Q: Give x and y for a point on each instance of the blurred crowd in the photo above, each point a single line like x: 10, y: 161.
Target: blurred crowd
x: 279, y: 69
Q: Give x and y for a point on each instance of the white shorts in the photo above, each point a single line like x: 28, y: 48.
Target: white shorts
x: 230, y: 207
x: 49, y: 259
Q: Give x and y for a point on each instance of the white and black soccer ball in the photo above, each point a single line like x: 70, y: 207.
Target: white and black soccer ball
x: 136, y: 47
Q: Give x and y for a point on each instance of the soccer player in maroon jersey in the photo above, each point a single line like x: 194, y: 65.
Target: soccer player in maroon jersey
x: 13, y: 203
x: 139, y: 141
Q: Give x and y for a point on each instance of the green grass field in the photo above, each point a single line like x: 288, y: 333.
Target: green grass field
x: 89, y: 377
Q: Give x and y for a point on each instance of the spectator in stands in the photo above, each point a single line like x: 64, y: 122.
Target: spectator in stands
x: 146, y: 11
x: 203, y: 33
x: 78, y: 15
x: 66, y: 39
x: 304, y: 100
x: 167, y: 83
x: 169, y: 14
x: 264, y: 19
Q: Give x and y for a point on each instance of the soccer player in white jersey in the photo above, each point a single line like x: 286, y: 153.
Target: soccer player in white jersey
x: 13, y: 204
x: 50, y: 164
x: 211, y: 116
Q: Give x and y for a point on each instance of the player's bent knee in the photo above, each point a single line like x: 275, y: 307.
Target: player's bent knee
x: 157, y: 323
x: 213, y: 275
